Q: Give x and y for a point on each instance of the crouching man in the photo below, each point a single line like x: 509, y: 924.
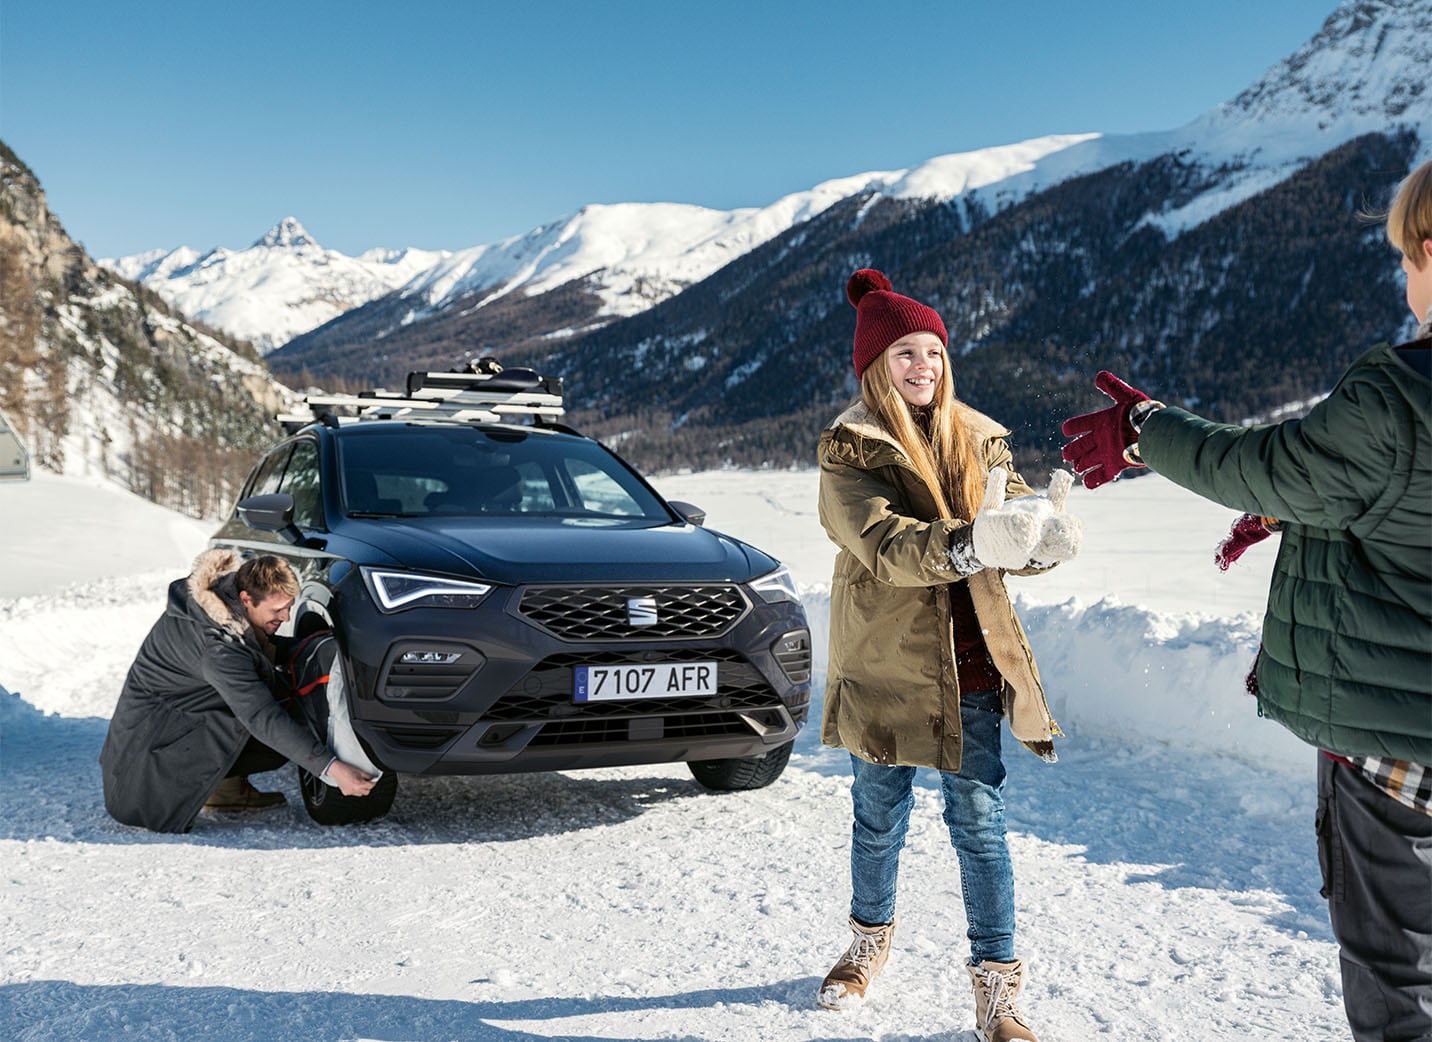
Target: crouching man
x: 198, y: 714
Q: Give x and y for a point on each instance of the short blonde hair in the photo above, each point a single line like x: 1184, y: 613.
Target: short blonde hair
x: 1409, y: 222
x: 263, y: 576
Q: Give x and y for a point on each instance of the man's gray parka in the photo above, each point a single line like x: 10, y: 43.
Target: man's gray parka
x: 199, y: 688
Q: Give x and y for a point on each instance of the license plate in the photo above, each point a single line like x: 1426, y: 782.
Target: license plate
x: 654, y: 680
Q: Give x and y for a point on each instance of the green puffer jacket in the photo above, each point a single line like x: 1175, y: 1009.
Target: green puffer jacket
x: 1347, y: 638
x: 892, y: 695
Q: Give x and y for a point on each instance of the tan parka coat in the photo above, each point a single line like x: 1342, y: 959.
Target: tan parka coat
x: 892, y: 696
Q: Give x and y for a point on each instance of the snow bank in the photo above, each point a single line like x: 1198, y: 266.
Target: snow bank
x: 56, y: 530
x: 1137, y: 676
x: 1141, y: 639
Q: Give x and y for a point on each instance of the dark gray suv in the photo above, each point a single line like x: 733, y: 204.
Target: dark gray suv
x: 508, y: 595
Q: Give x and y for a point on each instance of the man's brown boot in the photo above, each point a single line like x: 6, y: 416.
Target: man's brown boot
x: 236, y: 796
x: 997, y: 1018
x: 844, y: 986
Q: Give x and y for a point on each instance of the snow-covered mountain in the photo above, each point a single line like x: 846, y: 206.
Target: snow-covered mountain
x: 1226, y: 263
x: 282, y: 285
x: 1364, y: 71
x: 105, y: 380
x: 634, y: 254
x: 644, y: 253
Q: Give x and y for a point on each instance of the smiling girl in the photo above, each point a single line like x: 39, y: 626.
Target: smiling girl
x: 927, y: 656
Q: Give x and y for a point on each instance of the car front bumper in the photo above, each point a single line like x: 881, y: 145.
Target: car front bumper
x: 489, y: 690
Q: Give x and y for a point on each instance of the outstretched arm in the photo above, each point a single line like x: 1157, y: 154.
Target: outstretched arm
x: 1325, y: 469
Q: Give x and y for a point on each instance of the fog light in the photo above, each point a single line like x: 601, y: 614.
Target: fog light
x: 792, y: 651
x: 430, y: 658
x: 427, y: 670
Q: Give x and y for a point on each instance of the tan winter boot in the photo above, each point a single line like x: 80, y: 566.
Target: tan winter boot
x: 997, y: 1018
x: 235, y: 795
x: 844, y: 986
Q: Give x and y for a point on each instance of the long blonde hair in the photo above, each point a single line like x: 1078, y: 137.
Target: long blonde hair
x: 949, y: 460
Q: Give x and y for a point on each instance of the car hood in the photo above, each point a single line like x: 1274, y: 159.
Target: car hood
x: 524, y: 550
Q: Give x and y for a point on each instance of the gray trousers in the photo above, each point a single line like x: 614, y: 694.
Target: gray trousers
x: 1376, y: 857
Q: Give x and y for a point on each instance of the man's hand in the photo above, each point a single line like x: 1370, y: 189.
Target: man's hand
x: 350, y: 780
x: 1100, y: 443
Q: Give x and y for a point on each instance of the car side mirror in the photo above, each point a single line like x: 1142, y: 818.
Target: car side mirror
x: 271, y: 513
x: 691, y: 513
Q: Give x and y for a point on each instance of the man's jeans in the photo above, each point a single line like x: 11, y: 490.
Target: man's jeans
x: 974, y: 814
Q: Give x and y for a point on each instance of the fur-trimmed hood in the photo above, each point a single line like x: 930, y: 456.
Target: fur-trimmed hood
x: 211, y: 587
x: 860, y: 421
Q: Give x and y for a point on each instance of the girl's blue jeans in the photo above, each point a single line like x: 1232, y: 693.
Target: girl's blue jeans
x: 974, y: 813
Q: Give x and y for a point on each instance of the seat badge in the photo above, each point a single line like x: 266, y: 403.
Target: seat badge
x: 641, y: 611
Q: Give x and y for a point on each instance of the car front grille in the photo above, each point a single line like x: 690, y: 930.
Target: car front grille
x: 744, y: 704
x: 618, y: 612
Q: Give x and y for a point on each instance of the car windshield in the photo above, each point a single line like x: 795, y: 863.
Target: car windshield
x: 421, y: 471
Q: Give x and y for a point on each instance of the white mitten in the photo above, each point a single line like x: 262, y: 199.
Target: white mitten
x: 1003, y: 536
x: 1060, y: 534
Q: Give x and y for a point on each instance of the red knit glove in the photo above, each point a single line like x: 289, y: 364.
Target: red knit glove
x: 1247, y: 530
x: 1100, y: 441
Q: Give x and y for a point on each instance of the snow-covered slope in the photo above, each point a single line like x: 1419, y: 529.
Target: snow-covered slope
x: 282, y: 285
x: 1364, y: 72
x: 1165, y: 890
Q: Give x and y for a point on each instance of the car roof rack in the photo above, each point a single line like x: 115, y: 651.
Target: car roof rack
x: 480, y: 392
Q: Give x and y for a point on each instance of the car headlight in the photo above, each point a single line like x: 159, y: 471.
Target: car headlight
x: 395, y: 591
x: 777, y: 586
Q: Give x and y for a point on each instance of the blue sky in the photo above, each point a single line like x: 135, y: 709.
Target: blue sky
x: 445, y: 125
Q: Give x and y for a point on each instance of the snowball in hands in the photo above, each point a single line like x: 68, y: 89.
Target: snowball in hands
x: 1003, y: 536
x: 1059, y: 533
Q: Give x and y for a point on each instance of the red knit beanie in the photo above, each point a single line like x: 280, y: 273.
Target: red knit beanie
x: 883, y: 317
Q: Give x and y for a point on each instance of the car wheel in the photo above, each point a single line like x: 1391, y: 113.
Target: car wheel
x: 741, y: 772
x: 327, y: 806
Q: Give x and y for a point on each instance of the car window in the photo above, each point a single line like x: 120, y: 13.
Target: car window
x: 300, y: 480
x: 270, y: 471
x: 513, y: 488
x: 599, y: 491
x: 422, y: 470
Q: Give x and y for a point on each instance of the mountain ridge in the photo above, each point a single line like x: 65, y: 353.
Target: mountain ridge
x: 102, y: 378
x: 639, y: 253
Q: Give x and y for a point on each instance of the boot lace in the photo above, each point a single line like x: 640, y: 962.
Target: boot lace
x: 999, y: 1003
x: 863, y: 949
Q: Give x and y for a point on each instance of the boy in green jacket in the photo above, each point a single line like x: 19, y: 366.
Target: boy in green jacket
x: 1346, y: 661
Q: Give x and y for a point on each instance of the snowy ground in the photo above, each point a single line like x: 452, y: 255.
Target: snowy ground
x: 1166, y: 871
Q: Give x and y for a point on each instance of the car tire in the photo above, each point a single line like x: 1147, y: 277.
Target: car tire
x: 327, y: 806
x: 740, y: 773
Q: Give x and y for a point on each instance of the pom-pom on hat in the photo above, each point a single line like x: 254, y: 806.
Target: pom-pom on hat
x: 883, y: 316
